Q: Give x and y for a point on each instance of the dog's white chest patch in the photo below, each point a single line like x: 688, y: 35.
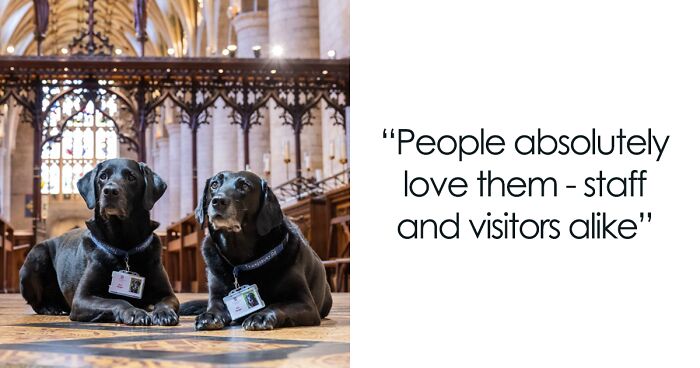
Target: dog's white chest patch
x: 127, y: 283
x: 243, y: 301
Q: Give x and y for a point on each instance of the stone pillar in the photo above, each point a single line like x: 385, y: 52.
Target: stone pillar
x: 3, y: 188
x: 225, y: 140
x: 334, y: 32
x: 259, y: 137
x: 161, y: 165
x: 334, y: 27
x: 174, y: 170
x: 204, y: 155
x: 251, y: 30
x: 185, y: 171
x: 294, y: 27
x: 7, y: 197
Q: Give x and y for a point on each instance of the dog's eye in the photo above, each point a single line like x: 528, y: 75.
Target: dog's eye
x: 243, y: 186
x: 214, y: 185
x: 103, y: 176
x: 130, y: 177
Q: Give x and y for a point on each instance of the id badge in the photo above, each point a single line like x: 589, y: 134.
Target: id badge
x: 127, y: 283
x: 243, y: 301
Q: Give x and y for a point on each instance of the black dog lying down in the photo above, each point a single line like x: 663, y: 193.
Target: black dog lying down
x: 249, y: 234
x: 71, y: 273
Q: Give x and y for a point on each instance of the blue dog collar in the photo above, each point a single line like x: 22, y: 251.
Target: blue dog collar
x: 120, y: 252
x: 252, y: 265
x: 262, y: 260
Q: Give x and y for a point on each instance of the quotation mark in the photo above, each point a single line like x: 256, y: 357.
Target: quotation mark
x: 641, y: 215
x: 391, y: 135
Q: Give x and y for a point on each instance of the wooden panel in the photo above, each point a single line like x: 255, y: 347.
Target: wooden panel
x: 172, y: 256
x: 311, y: 215
x: 174, y: 245
x: 191, y: 240
x: 186, y: 268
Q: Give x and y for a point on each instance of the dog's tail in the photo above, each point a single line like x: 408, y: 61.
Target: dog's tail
x: 193, y: 307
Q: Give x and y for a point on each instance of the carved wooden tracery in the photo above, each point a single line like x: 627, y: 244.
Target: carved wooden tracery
x: 141, y: 85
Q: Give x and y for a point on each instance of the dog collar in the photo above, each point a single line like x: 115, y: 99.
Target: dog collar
x: 252, y: 265
x: 121, y: 252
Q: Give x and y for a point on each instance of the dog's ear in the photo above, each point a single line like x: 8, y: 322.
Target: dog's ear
x: 200, y: 212
x: 87, y: 186
x: 270, y: 214
x: 154, y: 186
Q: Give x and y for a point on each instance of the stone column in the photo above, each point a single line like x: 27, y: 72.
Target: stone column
x: 251, y: 29
x: 204, y: 156
x: 174, y: 170
x: 3, y: 188
x: 224, y: 139
x: 334, y: 27
x: 185, y: 171
x: 161, y: 165
x: 7, y: 197
x: 334, y: 32
x: 294, y: 26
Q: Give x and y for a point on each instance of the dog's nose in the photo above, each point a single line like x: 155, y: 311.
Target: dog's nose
x: 219, y: 202
x: 110, y: 191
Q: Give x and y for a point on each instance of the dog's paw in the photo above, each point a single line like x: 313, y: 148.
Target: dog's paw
x: 263, y: 320
x: 135, y: 317
x: 165, y: 317
x: 210, y: 321
x: 51, y: 311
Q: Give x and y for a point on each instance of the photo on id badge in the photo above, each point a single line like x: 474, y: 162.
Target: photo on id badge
x: 134, y: 285
x: 250, y: 300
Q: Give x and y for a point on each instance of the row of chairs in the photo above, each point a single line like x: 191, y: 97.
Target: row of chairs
x: 15, y: 247
x: 182, y: 256
x: 330, y: 238
x: 182, y: 241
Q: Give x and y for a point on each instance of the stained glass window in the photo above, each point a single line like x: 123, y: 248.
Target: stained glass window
x: 88, y: 137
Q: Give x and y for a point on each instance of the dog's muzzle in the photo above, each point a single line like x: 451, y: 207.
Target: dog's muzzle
x: 113, y: 202
x: 223, y: 215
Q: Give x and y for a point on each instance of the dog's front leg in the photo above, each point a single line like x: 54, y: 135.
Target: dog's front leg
x: 166, y: 307
x: 216, y: 317
x: 165, y: 312
x: 303, y: 313
x: 87, y: 307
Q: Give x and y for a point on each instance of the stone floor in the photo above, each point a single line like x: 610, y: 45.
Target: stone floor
x: 28, y: 339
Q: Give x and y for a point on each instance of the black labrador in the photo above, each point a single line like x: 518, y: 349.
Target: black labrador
x: 72, y: 273
x: 245, y: 225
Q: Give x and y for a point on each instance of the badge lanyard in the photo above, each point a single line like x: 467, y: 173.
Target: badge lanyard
x: 254, y: 264
x: 120, y: 252
x: 125, y: 283
x: 246, y: 299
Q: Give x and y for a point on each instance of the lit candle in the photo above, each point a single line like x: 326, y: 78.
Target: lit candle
x: 331, y: 149
x: 343, y: 149
x: 266, y: 162
x: 287, y: 156
x: 307, y: 161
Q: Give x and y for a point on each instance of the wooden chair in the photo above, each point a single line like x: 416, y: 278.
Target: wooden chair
x: 16, y: 246
x: 338, y: 262
x: 3, y: 256
x: 192, y: 263
x: 173, y: 251
x: 184, y: 262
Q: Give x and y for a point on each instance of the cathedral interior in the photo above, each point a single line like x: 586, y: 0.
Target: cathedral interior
x: 191, y: 88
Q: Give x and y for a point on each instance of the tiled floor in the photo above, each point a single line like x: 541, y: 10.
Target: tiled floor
x: 27, y: 339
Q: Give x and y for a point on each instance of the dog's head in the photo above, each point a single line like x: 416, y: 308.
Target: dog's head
x: 119, y: 186
x: 240, y: 201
